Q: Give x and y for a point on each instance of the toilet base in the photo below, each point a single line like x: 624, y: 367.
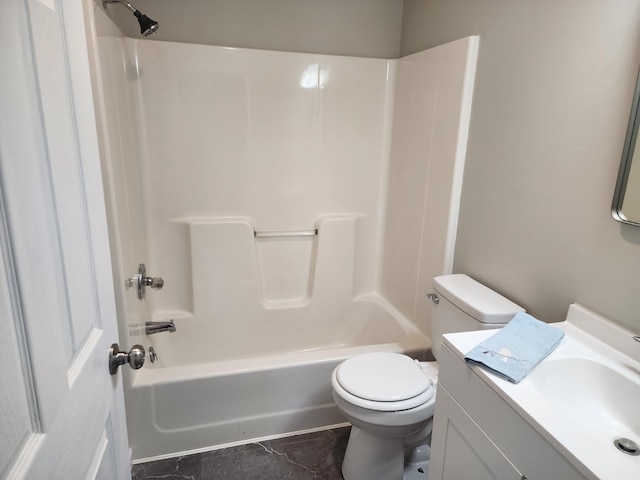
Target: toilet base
x: 370, y: 456
x: 417, y: 463
x: 374, y: 457
x: 416, y: 472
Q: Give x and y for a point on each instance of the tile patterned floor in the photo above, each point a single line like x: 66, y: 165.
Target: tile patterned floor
x: 311, y: 456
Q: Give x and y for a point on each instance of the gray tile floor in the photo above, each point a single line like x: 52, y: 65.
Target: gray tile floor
x: 315, y: 455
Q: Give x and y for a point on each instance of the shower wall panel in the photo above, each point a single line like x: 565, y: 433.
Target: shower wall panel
x: 115, y: 95
x: 281, y: 139
x: 434, y: 89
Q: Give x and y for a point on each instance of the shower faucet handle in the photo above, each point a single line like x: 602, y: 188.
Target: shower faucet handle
x: 141, y: 281
x: 153, y: 282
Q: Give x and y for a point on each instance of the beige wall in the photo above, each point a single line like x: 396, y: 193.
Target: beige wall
x: 364, y: 28
x: 553, y: 90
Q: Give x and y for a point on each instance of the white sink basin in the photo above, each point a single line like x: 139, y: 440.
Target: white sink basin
x: 591, y: 393
x: 583, y: 397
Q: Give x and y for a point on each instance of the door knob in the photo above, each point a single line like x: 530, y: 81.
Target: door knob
x: 135, y: 358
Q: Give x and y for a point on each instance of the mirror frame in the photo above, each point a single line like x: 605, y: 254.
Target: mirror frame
x: 627, y: 159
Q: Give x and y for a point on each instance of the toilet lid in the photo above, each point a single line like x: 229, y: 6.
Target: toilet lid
x: 382, y: 377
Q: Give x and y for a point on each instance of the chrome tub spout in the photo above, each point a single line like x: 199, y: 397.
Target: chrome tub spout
x: 156, y: 327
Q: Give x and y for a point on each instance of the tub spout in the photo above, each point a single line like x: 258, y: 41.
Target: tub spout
x: 156, y: 327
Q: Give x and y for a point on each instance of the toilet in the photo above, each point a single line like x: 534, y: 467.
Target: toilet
x: 389, y: 398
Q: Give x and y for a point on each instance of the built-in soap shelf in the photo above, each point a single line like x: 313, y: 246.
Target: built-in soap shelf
x: 286, y: 262
x: 237, y: 266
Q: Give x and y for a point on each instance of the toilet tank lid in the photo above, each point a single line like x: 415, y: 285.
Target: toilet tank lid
x: 475, y: 299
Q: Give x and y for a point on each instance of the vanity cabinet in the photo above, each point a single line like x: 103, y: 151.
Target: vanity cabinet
x: 477, y: 435
x: 464, y: 451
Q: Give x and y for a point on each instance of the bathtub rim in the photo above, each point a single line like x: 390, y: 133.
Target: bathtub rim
x: 420, y: 347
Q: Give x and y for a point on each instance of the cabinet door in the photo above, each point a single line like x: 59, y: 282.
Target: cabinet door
x: 460, y: 450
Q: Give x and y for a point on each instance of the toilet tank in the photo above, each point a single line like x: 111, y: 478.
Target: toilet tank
x: 463, y: 305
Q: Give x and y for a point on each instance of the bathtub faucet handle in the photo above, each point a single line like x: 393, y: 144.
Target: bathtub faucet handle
x: 141, y: 281
x: 153, y: 282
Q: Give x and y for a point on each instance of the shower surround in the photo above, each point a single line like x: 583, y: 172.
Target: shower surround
x: 297, y: 207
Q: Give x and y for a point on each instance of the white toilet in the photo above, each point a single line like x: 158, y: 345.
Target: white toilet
x: 389, y: 398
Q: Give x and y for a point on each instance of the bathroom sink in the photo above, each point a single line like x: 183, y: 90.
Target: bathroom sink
x: 584, y: 397
x: 591, y: 393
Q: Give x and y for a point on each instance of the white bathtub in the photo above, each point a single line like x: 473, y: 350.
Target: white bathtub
x: 262, y: 322
x: 197, y: 406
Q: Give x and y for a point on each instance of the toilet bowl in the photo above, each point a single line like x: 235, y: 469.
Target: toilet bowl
x: 389, y: 398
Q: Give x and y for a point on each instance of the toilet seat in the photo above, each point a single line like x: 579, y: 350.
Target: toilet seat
x: 383, y: 381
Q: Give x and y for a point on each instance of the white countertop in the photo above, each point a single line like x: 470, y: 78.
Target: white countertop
x: 586, y: 444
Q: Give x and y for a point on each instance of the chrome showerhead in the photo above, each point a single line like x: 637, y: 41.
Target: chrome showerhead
x: 147, y: 26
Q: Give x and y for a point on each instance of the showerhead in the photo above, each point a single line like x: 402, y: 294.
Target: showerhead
x: 147, y: 26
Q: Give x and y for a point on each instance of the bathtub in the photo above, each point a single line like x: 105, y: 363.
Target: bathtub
x: 181, y: 404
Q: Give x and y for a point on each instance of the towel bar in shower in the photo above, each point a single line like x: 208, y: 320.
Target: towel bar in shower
x: 294, y: 233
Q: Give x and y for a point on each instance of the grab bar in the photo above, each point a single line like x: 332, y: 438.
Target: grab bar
x: 299, y: 233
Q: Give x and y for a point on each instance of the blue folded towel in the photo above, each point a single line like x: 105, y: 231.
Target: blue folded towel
x: 515, y: 349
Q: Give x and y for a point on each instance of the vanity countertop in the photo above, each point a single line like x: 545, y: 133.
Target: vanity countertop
x: 582, y: 397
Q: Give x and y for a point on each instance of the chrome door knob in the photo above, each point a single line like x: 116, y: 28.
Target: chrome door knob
x: 135, y: 358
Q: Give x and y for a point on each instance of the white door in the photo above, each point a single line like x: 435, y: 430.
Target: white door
x: 61, y: 412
